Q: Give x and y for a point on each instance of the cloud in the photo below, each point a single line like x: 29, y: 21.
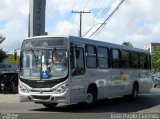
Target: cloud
x: 13, y: 18
x: 15, y: 31
x: 12, y: 10
x: 136, y: 21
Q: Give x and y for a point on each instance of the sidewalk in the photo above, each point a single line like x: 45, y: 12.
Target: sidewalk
x: 9, y: 98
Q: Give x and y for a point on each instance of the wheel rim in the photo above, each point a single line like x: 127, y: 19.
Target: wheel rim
x: 89, y: 98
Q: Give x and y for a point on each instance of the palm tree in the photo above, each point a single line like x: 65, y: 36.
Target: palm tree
x: 129, y: 44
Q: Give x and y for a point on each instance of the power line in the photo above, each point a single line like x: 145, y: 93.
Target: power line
x: 109, y: 5
x: 107, y: 18
x: 2, y: 38
x: 69, y: 18
x: 80, y: 12
x: 91, y: 6
x: 86, y: 5
x: 92, y: 28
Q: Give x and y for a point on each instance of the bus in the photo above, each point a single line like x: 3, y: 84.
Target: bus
x: 87, y: 71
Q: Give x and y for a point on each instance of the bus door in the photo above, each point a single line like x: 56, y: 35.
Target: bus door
x: 77, y: 72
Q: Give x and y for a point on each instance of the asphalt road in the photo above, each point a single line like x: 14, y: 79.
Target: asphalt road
x: 10, y: 107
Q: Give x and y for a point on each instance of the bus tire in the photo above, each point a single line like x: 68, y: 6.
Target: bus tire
x: 50, y: 105
x: 90, y: 98
x: 134, y: 94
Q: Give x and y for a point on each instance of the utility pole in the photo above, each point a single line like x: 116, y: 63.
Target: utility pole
x: 80, y: 12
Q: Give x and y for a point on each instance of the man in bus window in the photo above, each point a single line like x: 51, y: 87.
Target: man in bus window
x: 56, y: 59
x: 59, y: 59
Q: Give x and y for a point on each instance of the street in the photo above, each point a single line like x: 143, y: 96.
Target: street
x: 148, y: 103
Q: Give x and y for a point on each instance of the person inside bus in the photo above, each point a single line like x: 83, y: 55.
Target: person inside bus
x: 59, y: 59
x: 56, y: 59
x: 59, y: 63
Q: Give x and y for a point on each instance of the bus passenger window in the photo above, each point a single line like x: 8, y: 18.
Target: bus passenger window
x: 143, y: 61
x: 91, y: 56
x: 125, y: 56
x: 115, y: 58
x: 102, y: 57
x: 135, y: 60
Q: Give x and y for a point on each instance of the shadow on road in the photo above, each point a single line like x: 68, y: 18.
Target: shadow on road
x: 119, y: 105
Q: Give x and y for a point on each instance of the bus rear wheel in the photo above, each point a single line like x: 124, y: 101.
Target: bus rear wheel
x: 134, y: 94
x: 50, y: 105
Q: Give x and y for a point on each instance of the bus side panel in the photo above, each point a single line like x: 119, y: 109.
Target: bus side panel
x: 145, y: 81
x: 77, y: 89
x: 100, y: 77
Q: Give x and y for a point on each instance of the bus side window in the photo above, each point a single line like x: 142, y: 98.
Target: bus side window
x: 115, y: 58
x: 91, y: 56
x: 148, y: 61
x: 135, y: 60
x: 125, y: 56
x: 77, y: 61
x: 103, y: 57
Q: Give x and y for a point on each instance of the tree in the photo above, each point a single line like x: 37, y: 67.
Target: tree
x: 156, y: 59
x: 129, y: 44
x: 2, y: 55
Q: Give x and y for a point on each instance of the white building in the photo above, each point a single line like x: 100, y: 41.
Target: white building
x: 152, y: 47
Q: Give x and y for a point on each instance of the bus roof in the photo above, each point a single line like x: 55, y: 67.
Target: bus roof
x: 93, y: 42
x: 106, y: 44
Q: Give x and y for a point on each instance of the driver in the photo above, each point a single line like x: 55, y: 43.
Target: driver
x: 56, y: 59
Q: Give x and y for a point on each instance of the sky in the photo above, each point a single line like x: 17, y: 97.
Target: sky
x: 135, y: 21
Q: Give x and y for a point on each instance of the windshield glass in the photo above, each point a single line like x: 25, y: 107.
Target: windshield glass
x: 43, y: 64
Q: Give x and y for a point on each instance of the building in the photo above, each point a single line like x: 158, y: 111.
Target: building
x: 152, y: 47
x: 36, y: 17
x: 9, y: 64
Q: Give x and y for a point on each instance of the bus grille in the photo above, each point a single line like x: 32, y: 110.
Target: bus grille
x: 43, y: 83
x: 41, y: 97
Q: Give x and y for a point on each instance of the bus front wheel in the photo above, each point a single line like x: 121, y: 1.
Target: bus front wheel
x: 90, y: 98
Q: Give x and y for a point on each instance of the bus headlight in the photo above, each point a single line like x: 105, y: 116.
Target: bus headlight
x: 62, y: 88
x: 23, y: 89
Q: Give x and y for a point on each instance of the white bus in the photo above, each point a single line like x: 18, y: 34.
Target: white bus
x: 88, y: 70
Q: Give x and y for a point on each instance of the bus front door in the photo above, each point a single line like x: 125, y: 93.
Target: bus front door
x: 77, y: 69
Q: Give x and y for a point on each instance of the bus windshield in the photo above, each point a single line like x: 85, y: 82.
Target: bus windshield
x: 39, y: 64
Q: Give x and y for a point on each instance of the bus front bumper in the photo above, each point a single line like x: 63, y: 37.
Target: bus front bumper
x: 45, y: 98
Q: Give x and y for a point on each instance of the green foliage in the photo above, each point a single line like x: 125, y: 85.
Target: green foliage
x: 2, y: 55
x: 129, y: 44
x: 156, y: 59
